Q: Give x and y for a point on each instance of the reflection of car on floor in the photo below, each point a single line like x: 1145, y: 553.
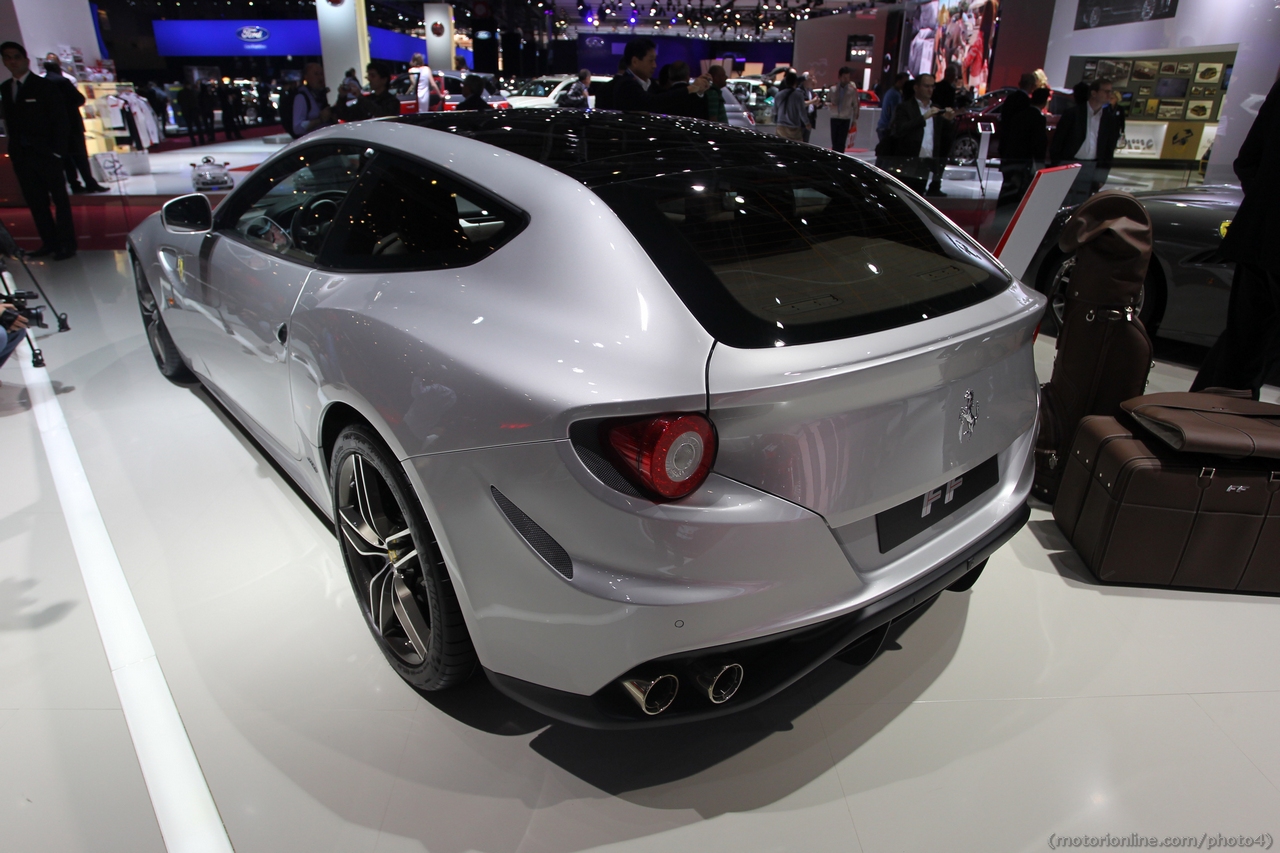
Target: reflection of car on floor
x: 988, y: 109
x: 1188, y: 284
x: 768, y: 403
x: 211, y: 176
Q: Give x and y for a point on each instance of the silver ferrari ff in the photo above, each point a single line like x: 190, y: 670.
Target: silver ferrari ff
x: 645, y: 416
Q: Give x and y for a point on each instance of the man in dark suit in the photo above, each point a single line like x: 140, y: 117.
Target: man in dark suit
x: 920, y: 137
x: 36, y: 121
x: 76, y: 163
x: 1087, y: 134
x: 1247, y: 354
x: 634, y: 89
x: 1024, y: 141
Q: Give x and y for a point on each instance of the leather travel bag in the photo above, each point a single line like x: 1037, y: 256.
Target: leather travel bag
x: 1140, y: 511
x: 1103, y: 352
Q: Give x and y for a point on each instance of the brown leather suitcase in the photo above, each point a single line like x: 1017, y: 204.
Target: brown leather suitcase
x: 1155, y: 516
x: 1092, y: 435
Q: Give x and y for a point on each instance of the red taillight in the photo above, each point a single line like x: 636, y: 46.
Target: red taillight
x: 449, y: 105
x: 670, y: 455
x: 1036, y: 333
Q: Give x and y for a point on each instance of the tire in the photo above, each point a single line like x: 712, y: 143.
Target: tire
x: 967, y: 581
x: 1056, y: 276
x: 405, y: 594
x: 965, y: 148
x: 163, y: 349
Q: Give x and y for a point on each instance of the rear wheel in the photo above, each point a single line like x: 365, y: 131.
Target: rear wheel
x: 395, y: 565
x: 166, y: 354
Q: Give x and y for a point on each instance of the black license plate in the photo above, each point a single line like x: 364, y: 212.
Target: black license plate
x: 897, y: 525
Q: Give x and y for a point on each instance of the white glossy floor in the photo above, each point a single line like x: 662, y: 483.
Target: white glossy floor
x: 1038, y: 703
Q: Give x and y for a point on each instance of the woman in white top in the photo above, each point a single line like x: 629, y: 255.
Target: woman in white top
x: 426, y: 82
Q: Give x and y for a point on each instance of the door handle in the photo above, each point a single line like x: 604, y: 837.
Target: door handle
x: 282, y: 333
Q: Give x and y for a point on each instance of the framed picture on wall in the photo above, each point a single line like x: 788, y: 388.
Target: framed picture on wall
x: 1145, y: 70
x: 1138, y: 108
x: 1171, y: 109
x: 1152, y: 106
x: 1172, y: 87
x: 1168, y: 69
x: 1090, y: 71
x: 1226, y: 77
x: 1184, y: 69
x: 1199, y: 110
x: 1209, y: 72
x: 1144, y: 90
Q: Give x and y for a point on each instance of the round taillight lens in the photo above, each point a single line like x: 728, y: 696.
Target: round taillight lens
x: 669, y: 455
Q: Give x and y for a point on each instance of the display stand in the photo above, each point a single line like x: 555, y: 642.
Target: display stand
x: 1034, y: 216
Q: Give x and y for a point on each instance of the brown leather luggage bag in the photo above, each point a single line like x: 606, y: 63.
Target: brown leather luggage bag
x: 1154, y: 515
x: 1094, y: 432
x: 1103, y: 351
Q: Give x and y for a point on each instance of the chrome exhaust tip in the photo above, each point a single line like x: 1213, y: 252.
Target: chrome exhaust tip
x: 720, y: 681
x: 653, y: 696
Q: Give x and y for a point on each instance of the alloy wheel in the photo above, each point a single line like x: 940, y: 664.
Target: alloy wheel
x: 1061, y: 282
x: 384, y: 560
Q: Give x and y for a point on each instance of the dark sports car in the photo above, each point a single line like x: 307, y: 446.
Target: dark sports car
x: 1185, y: 295
x: 988, y: 108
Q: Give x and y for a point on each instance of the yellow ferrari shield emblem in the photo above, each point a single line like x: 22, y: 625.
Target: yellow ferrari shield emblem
x: 1222, y: 229
x: 182, y: 277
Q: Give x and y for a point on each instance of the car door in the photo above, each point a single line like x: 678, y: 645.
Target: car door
x: 383, y: 318
x: 260, y: 257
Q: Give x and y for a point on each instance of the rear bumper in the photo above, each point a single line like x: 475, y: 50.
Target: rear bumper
x: 772, y: 662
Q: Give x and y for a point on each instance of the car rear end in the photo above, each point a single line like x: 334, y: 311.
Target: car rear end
x: 872, y: 364
x: 863, y: 443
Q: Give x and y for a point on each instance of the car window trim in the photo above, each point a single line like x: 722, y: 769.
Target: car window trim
x: 324, y: 260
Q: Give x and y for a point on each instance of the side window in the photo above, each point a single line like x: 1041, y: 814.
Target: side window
x: 289, y: 208
x: 404, y: 215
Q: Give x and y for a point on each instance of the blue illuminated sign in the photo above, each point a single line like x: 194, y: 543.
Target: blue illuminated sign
x: 268, y: 38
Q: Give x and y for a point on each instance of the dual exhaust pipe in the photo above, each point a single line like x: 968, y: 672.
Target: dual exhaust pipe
x: 718, y: 682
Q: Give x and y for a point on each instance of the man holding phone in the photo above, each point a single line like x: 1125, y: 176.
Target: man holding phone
x: 921, y: 132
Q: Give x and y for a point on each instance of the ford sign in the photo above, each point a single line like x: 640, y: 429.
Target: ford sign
x: 253, y: 33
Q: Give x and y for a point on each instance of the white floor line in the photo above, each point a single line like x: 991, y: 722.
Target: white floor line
x: 184, y: 807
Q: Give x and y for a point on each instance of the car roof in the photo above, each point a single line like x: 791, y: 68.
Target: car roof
x: 602, y: 147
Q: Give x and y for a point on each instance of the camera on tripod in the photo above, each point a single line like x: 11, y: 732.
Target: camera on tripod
x: 19, y: 300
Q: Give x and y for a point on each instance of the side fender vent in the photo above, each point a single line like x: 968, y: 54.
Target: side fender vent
x: 539, y: 540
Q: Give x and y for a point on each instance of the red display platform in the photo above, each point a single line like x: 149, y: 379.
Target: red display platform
x: 102, y: 221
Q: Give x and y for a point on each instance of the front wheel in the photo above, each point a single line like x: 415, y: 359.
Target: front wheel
x: 965, y: 149
x: 165, y: 352
x: 395, y: 565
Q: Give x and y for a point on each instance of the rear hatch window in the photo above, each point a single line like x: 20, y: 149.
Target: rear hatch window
x: 800, y: 251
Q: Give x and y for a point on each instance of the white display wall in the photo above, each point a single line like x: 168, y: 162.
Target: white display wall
x: 1251, y: 27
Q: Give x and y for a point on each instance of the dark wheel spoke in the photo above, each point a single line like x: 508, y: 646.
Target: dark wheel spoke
x: 380, y: 599
x: 409, y: 613
x: 360, y: 534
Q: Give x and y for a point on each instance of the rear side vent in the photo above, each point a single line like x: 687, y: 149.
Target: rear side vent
x: 539, y: 540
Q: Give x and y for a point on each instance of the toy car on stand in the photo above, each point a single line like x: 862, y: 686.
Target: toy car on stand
x: 211, y: 176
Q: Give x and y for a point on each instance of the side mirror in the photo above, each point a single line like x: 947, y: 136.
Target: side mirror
x: 187, y: 214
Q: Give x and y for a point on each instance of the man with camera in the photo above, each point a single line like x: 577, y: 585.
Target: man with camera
x: 14, y: 324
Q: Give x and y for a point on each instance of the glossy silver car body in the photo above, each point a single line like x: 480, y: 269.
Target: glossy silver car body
x: 476, y: 376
